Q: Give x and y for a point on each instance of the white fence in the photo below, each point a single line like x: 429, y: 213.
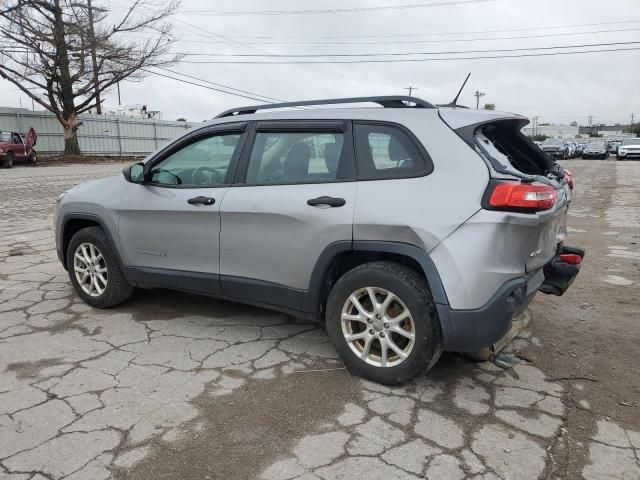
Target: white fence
x: 98, y: 135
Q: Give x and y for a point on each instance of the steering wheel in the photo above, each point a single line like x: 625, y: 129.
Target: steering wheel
x: 178, y: 180
x: 199, y: 177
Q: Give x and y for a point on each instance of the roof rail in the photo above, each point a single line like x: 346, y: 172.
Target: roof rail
x: 393, y: 101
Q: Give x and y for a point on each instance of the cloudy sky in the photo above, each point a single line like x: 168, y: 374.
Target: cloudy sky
x: 559, y: 88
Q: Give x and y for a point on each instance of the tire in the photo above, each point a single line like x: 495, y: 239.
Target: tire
x: 411, y: 294
x: 33, y: 158
x: 117, y: 290
x: 8, y: 160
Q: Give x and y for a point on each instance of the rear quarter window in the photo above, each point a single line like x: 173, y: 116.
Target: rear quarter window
x: 388, y: 151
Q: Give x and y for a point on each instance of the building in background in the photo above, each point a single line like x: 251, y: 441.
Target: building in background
x: 135, y: 111
x: 555, y: 131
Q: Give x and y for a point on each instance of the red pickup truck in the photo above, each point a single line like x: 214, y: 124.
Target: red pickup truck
x: 15, y: 147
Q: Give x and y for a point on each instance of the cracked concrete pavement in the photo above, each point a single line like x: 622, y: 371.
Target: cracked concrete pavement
x: 171, y: 385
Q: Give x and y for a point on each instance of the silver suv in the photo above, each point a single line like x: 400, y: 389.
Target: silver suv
x: 406, y: 230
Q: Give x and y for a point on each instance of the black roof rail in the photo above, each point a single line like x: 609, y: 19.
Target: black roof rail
x: 393, y: 101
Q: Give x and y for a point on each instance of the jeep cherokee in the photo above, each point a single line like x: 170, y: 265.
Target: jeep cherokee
x: 406, y: 229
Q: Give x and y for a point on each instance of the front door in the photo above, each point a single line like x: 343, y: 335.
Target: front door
x: 169, y: 226
x: 296, y: 196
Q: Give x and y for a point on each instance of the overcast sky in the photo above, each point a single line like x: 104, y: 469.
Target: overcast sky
x: 559, y: 88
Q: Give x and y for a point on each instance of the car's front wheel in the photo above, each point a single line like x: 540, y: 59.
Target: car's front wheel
x: 94, y: 270
x: 8, y: 160
x: 383, y: 323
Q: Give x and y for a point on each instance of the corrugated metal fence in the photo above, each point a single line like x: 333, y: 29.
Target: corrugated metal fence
x: 98, y: 135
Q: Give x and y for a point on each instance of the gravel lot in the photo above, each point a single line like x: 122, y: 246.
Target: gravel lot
x: 178, y: 386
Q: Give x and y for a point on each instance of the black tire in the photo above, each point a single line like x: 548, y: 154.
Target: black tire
x: 412, y: 289
x: 118, y: 290
x: 33, y: 158
x: 8, y: 160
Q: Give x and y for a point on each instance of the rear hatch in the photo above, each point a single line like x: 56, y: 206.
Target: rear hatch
x: 516, y: 162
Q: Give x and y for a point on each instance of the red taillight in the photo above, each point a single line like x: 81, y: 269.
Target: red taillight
x: 569, y: 178
x: 571, y: 258
x: 530, y: 197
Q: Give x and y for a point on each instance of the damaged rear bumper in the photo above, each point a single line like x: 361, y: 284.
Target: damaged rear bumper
x: 560, y: 272
x: 492, y: 326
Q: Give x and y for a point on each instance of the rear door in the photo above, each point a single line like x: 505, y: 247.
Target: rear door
x: 293, y: 197
x: 169, y: 227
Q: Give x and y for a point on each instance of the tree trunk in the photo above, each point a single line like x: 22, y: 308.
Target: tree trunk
x: 71, y: 145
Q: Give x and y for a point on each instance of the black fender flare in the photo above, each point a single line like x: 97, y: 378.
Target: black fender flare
x: 67, y: 217
x: 312, y: 300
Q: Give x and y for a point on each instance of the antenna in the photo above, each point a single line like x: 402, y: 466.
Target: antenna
x: 460, y: 91
x: 453, y: 102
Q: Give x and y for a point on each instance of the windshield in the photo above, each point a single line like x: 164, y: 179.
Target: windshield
x: 596, y: 145
x: 631, y: 141
x: 5, y: 137
x: 553, y: 143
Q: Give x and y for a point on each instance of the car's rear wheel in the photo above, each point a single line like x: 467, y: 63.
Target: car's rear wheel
x: 33, y: 158
x: 383, y: 323
x: 8, y: 160
x: 94, y: 270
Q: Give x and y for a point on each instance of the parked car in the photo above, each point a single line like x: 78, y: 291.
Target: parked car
x: 260, y: 218
x: 17, y: 148
x: 614, y: 145
x: 572, y: 150
x: 630, y: 147
x: 596, y: 150
x: 556, y: 148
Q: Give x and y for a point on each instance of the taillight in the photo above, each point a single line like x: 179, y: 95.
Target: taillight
x: 568, y: 176
x: 571, y: 258
x: 524, y: 197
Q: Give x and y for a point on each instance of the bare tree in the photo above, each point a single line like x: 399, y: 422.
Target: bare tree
x: 65, y: 53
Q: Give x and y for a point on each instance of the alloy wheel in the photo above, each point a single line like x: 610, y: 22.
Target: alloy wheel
x: 91, y: 269
x: 378, y: 327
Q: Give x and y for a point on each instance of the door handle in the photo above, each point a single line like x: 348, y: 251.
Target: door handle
x: 201, y: 201
x: 331, y: 201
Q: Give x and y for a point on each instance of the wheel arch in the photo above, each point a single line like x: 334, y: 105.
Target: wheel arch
x: 339, y: 257
x: 73, y: 223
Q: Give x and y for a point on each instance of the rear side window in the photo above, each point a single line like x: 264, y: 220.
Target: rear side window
x: 385, y: 151
x: 296, y: 157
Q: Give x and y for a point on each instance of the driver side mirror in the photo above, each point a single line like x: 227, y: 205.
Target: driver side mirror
x: 134, y: 173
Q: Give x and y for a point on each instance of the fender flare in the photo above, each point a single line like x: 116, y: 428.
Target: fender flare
x: 311, y: 303
x: 67, y: 217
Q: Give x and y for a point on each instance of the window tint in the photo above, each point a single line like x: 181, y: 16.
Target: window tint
x: 203, y: 163
x: 281, y: 157
x: 386, y: 152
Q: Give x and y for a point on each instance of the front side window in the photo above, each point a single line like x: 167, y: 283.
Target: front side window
x: 202, y: 163
x: 386, y: 152
x: 296, y: 157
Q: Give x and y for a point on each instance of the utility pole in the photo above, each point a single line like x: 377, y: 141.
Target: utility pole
x: 94, y: 57
x: 633, y: 117
x: 535, y: 125
x: 478, y: 94
x: 119, y: 102
x: 590, y: 117
x: 411, y: 89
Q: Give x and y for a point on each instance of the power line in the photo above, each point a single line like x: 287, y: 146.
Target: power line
x: 204, y: 86
x: 219, y: 84
x: 400, y: 54
x: 457, y: 40
x: 438, y: 34
x: 334, y: 10
x: 404, y: 60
